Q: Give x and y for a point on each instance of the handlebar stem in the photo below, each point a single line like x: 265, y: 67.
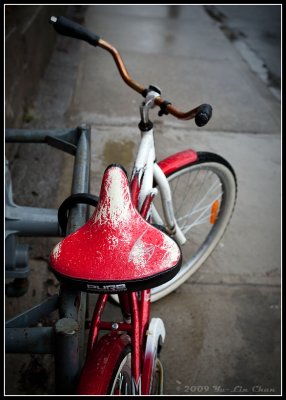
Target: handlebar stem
x: 147, y: 105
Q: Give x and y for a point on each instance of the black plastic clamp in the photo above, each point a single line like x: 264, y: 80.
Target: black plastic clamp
x: 163, y: 108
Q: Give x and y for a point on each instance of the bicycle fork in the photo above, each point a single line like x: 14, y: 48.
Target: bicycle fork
x: 167, y: 204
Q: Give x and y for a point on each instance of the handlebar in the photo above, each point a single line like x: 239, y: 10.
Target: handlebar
x: 66, y: 27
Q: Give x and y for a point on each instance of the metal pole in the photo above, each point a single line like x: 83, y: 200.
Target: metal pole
x: 38, y: 135
x: 71, y: 325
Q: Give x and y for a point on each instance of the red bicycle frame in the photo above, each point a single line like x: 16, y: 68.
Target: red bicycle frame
x: 135, y: 307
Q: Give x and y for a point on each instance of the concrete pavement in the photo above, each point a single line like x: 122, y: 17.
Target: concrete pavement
x: 223, y: 325
x: 223, y: 329
x: 256, y: 33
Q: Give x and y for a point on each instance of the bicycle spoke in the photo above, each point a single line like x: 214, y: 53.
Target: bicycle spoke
x: 196, y: 223
x: 202, y: 184
x: 195, y: 211
x: 211, y: 190
x: 189, y: 190
x: 205, y: 208
x: 198, y: 220
x: 120, y: 378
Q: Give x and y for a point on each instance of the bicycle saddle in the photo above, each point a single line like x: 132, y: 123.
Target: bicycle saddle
x: 116, y: 250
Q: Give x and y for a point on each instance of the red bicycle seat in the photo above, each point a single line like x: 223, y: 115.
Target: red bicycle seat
x: 116, y: 250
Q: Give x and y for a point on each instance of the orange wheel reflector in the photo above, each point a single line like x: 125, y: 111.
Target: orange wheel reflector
x: 214, y: 211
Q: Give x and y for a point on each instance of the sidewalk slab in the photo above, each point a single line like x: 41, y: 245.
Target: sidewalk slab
x: 221, y: 340
x: 250, y: 252
x: 223, y: 325
x: 199, y: 65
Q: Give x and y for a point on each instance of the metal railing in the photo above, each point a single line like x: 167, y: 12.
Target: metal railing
x: 65, y: 339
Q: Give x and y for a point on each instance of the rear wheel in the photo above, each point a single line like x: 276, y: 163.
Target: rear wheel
x: 157, y: 380
x: 107, y: 369
x: 204, y: 196
x: 121, y: 382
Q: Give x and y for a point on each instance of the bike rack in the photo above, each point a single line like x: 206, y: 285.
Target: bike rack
x: 64, y: 339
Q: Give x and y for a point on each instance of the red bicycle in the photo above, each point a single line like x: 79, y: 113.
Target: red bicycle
x: 137, y: 251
